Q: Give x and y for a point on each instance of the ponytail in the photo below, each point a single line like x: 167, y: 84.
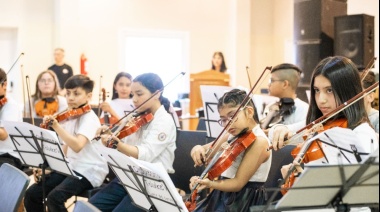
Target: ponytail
x: 165, y: 102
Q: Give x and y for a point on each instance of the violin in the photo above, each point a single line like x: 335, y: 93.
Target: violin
x: 107, y: 118
x: 313, y: 152
x: 46, y: 106
x: 276, y: 112
x: 132, y: 126
x: 67, y: 114
x: 222, y: 161
x: 3, y: 101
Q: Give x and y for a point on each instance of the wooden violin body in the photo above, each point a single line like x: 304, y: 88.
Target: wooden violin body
x: 132, y: 126
x: 107, y: 118
x: 45, y: 107
x: 314, y: 152
x: 3, y: 101
x: 68, y: 114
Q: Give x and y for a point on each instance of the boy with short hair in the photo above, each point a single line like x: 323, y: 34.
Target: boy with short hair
x: 83, y: 156
x: 283, y: 84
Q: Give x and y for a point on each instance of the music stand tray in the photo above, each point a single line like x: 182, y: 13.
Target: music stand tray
x: 320, y: 186
x: 148, y: 185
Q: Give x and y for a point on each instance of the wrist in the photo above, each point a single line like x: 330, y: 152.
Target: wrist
x: 114, y: 144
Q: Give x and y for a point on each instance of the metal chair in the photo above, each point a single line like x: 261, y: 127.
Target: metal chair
x: 13, y: 184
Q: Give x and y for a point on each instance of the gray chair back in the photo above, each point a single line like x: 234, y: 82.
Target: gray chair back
x: 279, y: 158
x: 13, y: 184
x: 84, y: 206
x: 183, y: 163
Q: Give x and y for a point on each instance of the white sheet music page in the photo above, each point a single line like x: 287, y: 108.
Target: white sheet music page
x: 210, y: 98
x: 347, y: 141
x: 153, y: 177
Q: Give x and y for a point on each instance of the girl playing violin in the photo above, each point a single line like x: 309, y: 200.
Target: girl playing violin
x: 241, y: 185
x: 335, y: 80
x: 153, y: 142
x: 82, y: 155
x: 46, y: 101
x: 121, y: 96
x: 9, y: 111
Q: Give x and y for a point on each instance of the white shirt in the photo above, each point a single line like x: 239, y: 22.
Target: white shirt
x: 88, y: 161
x: 156, y: 140
x: 62, y: 105
x: 262, y: 172
x: 373, y: 116
x: 121, y: 106
x: 9, y: 112
x: 298, y: 116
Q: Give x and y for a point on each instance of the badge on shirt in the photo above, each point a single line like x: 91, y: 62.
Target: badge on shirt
x: 161, y: 136
x: 65, y: 71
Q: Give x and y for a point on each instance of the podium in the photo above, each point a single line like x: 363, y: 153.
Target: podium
x: 209, y: 77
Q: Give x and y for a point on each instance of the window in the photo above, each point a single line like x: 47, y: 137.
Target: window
x: 161, y: 52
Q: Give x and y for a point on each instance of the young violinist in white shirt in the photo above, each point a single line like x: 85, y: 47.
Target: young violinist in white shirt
x: 241, y: 185
x: 153, y: 142
x: 9, y: 111
x: 335, y: 80
x: 82, y: 154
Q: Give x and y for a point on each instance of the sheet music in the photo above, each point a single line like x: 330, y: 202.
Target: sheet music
x: 154, y: 178
x: 343, y: 138
x: 28, y: 149
x: 210, y: 97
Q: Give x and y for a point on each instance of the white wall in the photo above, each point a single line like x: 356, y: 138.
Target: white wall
x: 252, y: 33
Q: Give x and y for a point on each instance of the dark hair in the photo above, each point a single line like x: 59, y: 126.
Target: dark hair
x: 289, y: 72
x: 234, y: 98
x: 153, y: 83
x: 115, y: 95
x: 345, y: 82
x: 223, y: 67
x: 3, y: 76
x: 80, y: 81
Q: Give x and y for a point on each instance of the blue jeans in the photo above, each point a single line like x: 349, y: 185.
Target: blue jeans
x: 113, y: 197
x: 58, y: 188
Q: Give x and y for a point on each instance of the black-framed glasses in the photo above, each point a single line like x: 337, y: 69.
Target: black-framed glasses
x: 274, y: 80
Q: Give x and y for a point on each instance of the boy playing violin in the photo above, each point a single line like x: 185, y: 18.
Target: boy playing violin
x: 283, y: 84
x: 9, y: 111
x: 241, y: 185
x: 82, y: 155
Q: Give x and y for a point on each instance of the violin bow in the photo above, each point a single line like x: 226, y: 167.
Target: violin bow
x: 100, y: 95
x: 332, y: 113
x: 370, y: 64
x: 112, y: 127
x: 245, y: 101
x: 29, y: 98
x: 249, y: 78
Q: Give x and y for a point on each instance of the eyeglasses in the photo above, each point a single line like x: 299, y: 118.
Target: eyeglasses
x: 224, y: 122
x: 43, y: 81
x: 273, y: 80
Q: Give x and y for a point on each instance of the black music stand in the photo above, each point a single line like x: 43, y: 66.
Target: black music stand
x: 148, y: 185
x: 210, y: 98
x: 332, y: 186
x: 38, y: 148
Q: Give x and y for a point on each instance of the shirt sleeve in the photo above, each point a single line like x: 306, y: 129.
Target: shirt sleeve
x: 156, y: 141
x: 88, y: 125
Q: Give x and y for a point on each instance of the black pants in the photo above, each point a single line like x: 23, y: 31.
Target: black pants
x: 7, y: 158
x: 58, y: 189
